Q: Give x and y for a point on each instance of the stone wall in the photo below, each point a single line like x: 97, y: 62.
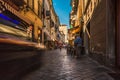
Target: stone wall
x: 98, y: 26
x: 102, y: 30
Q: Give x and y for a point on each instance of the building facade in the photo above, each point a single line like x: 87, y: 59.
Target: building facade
x: 34, y: 20
x: 46, y: 22
x: 97, y: 22
x: 13, y: 20
x: 99, y: 30
x: 76, y: 19
x: 32, y: 9
x: 63, y: 29
x: 51, y: 24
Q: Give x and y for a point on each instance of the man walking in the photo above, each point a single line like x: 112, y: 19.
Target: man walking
x: 78, y: 45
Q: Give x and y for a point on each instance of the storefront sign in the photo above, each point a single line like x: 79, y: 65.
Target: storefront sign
x: 9, y: 19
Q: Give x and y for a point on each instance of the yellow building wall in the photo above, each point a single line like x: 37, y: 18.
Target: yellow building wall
x: 36, y: 21
x: 33, y: 17
x: 79, y: 13
x: 36, y: 6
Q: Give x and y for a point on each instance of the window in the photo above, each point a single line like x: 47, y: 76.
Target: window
x: 31, y: 4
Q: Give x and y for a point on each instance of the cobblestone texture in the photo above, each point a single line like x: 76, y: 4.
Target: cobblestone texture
x: 57, y: 65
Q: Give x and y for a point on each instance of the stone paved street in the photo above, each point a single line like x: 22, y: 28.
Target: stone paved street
x: 57, y: 65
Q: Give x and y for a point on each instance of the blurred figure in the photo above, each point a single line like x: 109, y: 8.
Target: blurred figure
x: 60, y: 46
x: 78, y: 45
x: 68, y: 48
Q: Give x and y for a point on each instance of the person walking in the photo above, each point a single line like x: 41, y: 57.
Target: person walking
x: 78, y: 45
x: 60, y: 46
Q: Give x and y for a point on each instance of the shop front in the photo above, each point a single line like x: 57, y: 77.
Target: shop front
x: 11, y: 18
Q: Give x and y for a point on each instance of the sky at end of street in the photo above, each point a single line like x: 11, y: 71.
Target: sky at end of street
x: 62, y: 9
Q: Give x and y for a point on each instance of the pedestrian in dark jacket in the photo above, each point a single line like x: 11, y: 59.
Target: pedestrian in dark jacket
x: 78, y: 45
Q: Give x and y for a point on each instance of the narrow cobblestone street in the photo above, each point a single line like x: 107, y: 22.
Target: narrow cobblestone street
x: 57, y: 65
x: 43, y: 39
